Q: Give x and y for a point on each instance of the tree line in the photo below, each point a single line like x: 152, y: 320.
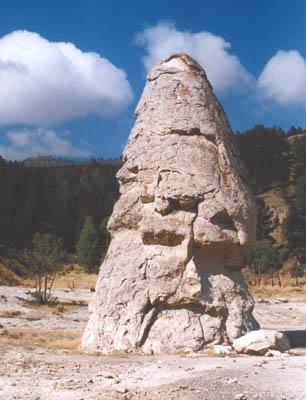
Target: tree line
x: 54, y: 199
x: 72, y: 200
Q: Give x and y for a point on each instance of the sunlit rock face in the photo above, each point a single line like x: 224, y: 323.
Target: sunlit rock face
x: 171, y: 281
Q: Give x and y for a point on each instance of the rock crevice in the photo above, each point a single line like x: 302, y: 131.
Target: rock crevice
x: 180, y: 229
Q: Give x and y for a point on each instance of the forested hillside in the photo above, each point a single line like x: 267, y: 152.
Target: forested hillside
x: 276, y: 165
x: 275, y: 162
x: 50, y: 195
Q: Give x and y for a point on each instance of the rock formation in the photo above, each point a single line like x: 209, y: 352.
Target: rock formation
x: 261, y: 341
x: 171, y: 280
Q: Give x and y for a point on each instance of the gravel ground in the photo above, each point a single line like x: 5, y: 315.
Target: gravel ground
x: 40, y: 372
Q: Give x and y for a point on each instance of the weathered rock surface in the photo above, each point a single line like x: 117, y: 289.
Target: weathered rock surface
x: 260, y: 341
x: 171, y: 280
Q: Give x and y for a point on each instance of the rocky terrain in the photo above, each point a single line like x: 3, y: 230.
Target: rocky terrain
x: 39, y: 358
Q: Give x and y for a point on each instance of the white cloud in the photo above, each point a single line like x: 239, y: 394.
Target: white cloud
x: 223, y: 69
x: 284, y: 78
x: 38, y: 142
x: 44, y: 82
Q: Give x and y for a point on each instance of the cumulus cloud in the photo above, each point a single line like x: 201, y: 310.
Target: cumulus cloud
x: 46, y: 82
x: 284, y: 78
x: 38, y: 142
x: 223, y: 69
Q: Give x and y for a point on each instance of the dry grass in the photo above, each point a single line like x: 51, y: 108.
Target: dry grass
x: 76, y: 279
x: 288, y: 288
x: 288, y: 292
x: 56, y: 307
x: 7, y: 277
x: 49, y: 339
x: 10, y: 314
x: 69, y: 279
x: 52, y: 307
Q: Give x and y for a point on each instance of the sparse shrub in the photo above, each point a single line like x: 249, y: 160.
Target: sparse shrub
x: 264, y: 258
x: 45, y: 259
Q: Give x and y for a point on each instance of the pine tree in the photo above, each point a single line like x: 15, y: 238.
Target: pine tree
x: 299, y: 157
x: 279, y: 170
x: 88, y: 246
x: 105, y: 236
x: 265, y: 224
x: 264, y: 152
x: 297, y: 271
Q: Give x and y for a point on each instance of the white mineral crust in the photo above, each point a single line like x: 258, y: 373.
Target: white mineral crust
x: 171, y: 280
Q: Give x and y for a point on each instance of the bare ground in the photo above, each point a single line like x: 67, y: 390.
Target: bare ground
x: 39, y: 358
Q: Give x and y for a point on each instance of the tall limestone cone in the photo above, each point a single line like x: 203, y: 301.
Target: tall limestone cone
x: 171, y: 281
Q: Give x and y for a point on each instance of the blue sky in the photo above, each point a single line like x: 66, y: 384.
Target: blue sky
x: 72, y: 72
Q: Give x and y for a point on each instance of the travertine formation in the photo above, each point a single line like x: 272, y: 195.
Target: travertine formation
x: 261, y: 341
x: 171, y: 281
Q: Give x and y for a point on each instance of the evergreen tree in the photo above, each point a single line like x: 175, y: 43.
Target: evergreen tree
x: 105, y: 236
x: 292, y: 131
x: 279, y: 170
x: 299, y: 157
x: 55, y: 198
x: 88, y: 246
x: 264, y: 152
x: 265, y: 224
x: 297, y: 271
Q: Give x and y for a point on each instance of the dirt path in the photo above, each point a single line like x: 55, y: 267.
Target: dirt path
x: 36, y: 363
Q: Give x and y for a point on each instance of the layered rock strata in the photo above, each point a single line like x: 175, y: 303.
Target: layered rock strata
x: 171, y: 280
